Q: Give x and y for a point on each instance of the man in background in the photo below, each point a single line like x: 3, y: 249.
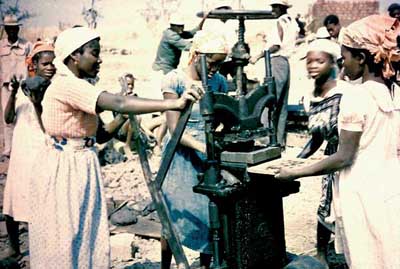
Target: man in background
x: 173, y: 41
x: 280, y: 42
x: 13, y: 52
x: 332, y: 24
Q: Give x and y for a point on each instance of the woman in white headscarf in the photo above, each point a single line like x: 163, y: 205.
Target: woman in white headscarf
x: 321, y: 64
x: 69, y: 226
x: 189, y: 210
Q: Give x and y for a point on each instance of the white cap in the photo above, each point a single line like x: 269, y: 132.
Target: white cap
x: 72, y: 39
x: 280, y: 2
x: 322, y: 33
x: 327, y: 46
x: 176, y: 19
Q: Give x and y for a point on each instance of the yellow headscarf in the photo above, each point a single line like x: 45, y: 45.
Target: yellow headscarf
x: 377, y: 34
x: 208, y: 42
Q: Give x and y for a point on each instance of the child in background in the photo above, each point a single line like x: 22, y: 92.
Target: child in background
x: 27, y: 139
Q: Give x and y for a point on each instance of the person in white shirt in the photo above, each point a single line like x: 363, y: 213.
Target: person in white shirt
x: 280, y: 42
x: 227, y: 29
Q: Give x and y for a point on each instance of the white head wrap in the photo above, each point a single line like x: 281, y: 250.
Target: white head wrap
x: 70, y: 40
x: 326, y: 46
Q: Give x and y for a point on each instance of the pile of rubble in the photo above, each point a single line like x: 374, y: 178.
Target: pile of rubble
x: 134, y: 224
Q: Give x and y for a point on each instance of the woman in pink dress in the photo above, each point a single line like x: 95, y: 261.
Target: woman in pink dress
x: 27, y: 139
x: 69, y: 227
x: 367, y: 192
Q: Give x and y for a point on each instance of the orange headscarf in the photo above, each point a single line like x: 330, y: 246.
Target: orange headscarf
x: 377, y: 34
x: 37, y: 47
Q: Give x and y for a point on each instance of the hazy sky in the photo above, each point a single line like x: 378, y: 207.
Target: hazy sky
x: 51, y: 12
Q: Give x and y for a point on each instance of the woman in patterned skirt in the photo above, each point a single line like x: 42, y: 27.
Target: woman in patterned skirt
x: 69, y: 227
x: 321, y: 63
x: 189, y: 210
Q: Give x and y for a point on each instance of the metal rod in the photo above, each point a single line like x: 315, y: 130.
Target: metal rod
x: 242, y: 29
x: 171, y: 146
x: 270, y: 82
x: 268, y: 67
x: 158, y: 199
x: 207, y: 110
x: 211, y: 175
x: 239, y: 72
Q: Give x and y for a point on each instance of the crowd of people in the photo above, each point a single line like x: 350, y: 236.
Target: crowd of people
x: 51, y: 106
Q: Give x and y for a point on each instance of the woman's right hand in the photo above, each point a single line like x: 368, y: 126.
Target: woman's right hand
x: 14, y: 84
x: 286, y: 174
x: 192, y: 94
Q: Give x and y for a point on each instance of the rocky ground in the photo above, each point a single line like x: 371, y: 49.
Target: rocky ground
x: 136, y: 246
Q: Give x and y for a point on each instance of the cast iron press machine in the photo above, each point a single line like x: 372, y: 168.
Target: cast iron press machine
x: 246, y: 212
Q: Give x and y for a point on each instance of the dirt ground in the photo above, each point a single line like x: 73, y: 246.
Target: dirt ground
x: 299, y: 209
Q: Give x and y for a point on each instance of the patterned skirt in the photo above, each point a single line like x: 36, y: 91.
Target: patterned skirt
x: 325, y: 213
x: 69, y: 227
x: 189, y: 210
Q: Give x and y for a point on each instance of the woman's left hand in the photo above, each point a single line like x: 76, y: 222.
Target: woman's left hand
x: 192, y: 95
x: 286, y: 174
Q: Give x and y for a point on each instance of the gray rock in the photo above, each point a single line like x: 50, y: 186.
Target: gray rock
x: 305, y: 262
x: 124, y: 216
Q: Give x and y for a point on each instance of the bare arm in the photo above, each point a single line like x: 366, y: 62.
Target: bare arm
x: 127, y: 147
x: 274, y: 48
x: 115, y: 124
x: 146, y: 130
x: 137, y: 105
x: 344, y: 157
x: 154, y: 122
x: 107, y: 131
x: 172, y: 121
x: 201, y: 23
x: 311, y: 147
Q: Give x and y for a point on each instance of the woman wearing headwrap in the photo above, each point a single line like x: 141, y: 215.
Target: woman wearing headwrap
x: 69, y: 227
x: 27, y: 139
x: 367, y: 192
x: 189, y: 210
x: 321, y: 63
